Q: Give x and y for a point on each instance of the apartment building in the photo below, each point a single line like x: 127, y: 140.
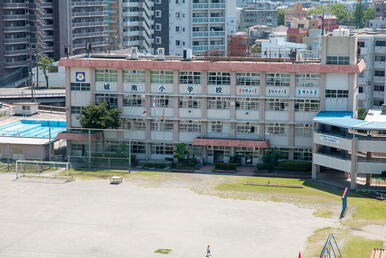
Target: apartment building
x: 222, y: 108
x: 296, y: 12
x: 355, y: 147
x: 44, y: 27
x: 258, y: 13
x: 372, y: 48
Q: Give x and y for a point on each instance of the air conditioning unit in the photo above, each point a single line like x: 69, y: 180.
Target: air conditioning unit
x: 187, y: 54
x: 160, y: 53
x: 134, y: 53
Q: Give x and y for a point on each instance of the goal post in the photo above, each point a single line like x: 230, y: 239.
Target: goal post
x: 37, y: 168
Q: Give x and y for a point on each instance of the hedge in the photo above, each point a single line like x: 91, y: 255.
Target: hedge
x: 155, y: 165
x: 225, y: 166
x: 295, y: 165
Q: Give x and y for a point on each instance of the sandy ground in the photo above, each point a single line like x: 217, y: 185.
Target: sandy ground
x: 91, y: 218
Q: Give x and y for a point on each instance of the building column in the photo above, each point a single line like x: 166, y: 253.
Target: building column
x: 120, y: 89
x: 315, y: 168
x: 351, y: 92
x: 368, y: 179
x: 92, y: 84
x: 262, y: 106
x: 68, y: 97
x: 322, y: 89
x: 354, y: 164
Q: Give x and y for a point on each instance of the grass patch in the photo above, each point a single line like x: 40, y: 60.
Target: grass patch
x: 94, y: 174
x: 359, y: 247
x: 323, y: 213
x: 163, y: 251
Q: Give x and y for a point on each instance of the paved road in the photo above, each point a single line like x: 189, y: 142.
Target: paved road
x: 95, y: 219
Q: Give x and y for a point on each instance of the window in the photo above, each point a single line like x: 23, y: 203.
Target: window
x: 134, y: 124
x: 158, y: 27
x: 26, y: 107
x: 158, y: 13
x: 246, y: 127
x: 216, y: 126
x: 190, y: 77
x: 307, y: 80
x: 81, y: 86
x: 303, y: 130
x: 158, y: 1
x: 248, y: 79
x: 379, y: 88
x: 247, y: 104
x: 158, y: 40
x: 380, y: 58
x: 106, y: 75
x: 189, y: 102
x: 277, y: 79
x: 360, y: 89
x: 134, y: 76
x: 379, y: 43
x: 178, y: 15
x: 219, y: 78
x: 112, y: 100
x: 303, y: 154
x: 75, y: 110
x: 177, y: 28
x: 189, y: 126
x: 159, y: 125
x: 379, y: 73
x: 378, y: 102
x: 161, y: 76
x: 138, y: 147
x: 218, y: 103
x: 307, y: 105
x: 178, y: 42
x: 162, y: 101
x: 276, y: 129
x: 336, y: 93
x: 276, y: 105
x: 133, y: 101
x: 161, y: 148
x: 340, y: 60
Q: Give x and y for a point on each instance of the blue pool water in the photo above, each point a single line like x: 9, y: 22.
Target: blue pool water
x: 33, y: 128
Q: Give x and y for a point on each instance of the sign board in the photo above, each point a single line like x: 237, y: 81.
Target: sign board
x: 307, y: 92
x: 248, y: 90
x: 80, y: 76
x: 330, y: 139
x: 276, y: 91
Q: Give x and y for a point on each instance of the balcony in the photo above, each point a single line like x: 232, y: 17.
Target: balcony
x: 15, y: 64
x: 217, y: 19
x: 217, y: 6
x: 14, y: 6
x: 217, y: 33
x: 201, y: 6
x: 89, y: 14
x: 15, y: 29
x: 363, y: 81
x: 89, y: 3
x: 335, y: 139
x: 89, y: 24
x: 200, y: 48
x: 200, y: 34
x: 379, y: 65
x: 379, y: 79
x: 217, y: 47
x: 15, y: 41
x: 15, y: 52
x: 380, y: 50
x: 200, y: 20
x: 14, y: 17
x: 363, y: 51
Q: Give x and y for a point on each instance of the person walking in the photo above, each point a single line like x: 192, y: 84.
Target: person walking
x: 208, y: 251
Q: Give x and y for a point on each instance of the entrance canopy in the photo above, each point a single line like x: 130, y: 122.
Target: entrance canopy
x: 230, y: 143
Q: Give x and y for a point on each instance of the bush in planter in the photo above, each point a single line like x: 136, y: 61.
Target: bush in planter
x: 189, y: 163
x: 262, y: 166
x: 225, y: 166
x: 155, y: 165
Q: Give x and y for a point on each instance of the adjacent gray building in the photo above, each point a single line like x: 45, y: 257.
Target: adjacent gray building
x: 258, y: 13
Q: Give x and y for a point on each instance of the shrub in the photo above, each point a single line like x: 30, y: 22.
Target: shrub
x: 225, y: 166
x: 155, y: 165
x: 264, y: 166
x: 295, y: 165
x: 190, y: 163
x: 383, y: 174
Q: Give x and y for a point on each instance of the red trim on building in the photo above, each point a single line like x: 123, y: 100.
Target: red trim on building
x: 232, y: 66
x: 230, y: 143
x: 76, y: 136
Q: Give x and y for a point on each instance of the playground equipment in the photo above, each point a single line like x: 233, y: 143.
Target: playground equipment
x: 344, y: 203
x: 331, y: 248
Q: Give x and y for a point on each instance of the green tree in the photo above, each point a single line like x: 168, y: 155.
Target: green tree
x: 340, y: 12
x: 44, y: 64
x: 181, y: 152
x: 318, y: 9
x: 100, y: 116
x: 359, y: 15
x: 271, y: 158
x: 362, y: 112
x: 280, y: 17
x: 370, y: 13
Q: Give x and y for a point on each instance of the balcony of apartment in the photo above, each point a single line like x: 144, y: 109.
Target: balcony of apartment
x: 217, y: 6
x: 94, y: 44
x: 217, y: 33
x: 362, y: 80
x: 198, y: 34
x: 217, y: 47
x: 15, y: 52
x: 200, y: 48
x: 15, y: 6
x: 217, y: 19
x: 85, y: 3
x: 363, y: 51
x: 131, y: 4
x: 380, y: 49
x: 200, y: 19
x: 89, y: 24
x: 379, y: 64
x: 379, y: 79
x: 378, y: 94
x: 15, y: 41
x: 15, y: 64
x: 89, y: 34
x: 15, y: 29
x: 14, y: 17
x: 90, y: 14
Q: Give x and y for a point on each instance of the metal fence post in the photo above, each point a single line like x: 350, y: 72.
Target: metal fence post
x: 89, y: 149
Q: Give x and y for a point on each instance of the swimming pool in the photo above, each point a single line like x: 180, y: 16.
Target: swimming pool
x: 33, y: 128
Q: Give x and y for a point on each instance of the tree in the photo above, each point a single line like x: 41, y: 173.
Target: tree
x: 100, y: 116
x: 280, y: 17
x: 181, y: 152
x: 358, y: 14
x: 369, y: 13
x: 362, y: 112
x: 271, y: 158
x: 318, y: 9
x: 340, y: 12
x: 44, y: 64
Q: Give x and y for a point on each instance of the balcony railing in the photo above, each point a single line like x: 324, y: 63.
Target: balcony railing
x: 217, y: 19
x: 200, y: 6
x: 200, y: 20
x: 217, y: 6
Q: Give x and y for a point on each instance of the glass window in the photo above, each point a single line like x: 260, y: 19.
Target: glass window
x: 189, y: 126
x: 133, y: 101
x: 134, y: 76
x: 276, y: 129
x: 307, y: 80
x: 340, y: 60
x: 336, y: 93
x: 248, y: 79
x: 106, y: 75
x: 303, y: 130
x: 80, y: 86
x: 161, y: 148
x: 247, y: 104
x: 219, y: 78
x: 112, y: 100
x: 276, y: 105
x: 190, y: 77
x: 218, y: 103
x: 134, y: 124
x: 75, y: 110
x: 189, y: 102
x: 138, y: 147
x: 159, y: 125
x: 307, y: 105
x: 162, y: 101
x: 216, y: 126
x: 246, y: 127
x: 161, y: 77
x: 303, y: 154
x: 277, y: 79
